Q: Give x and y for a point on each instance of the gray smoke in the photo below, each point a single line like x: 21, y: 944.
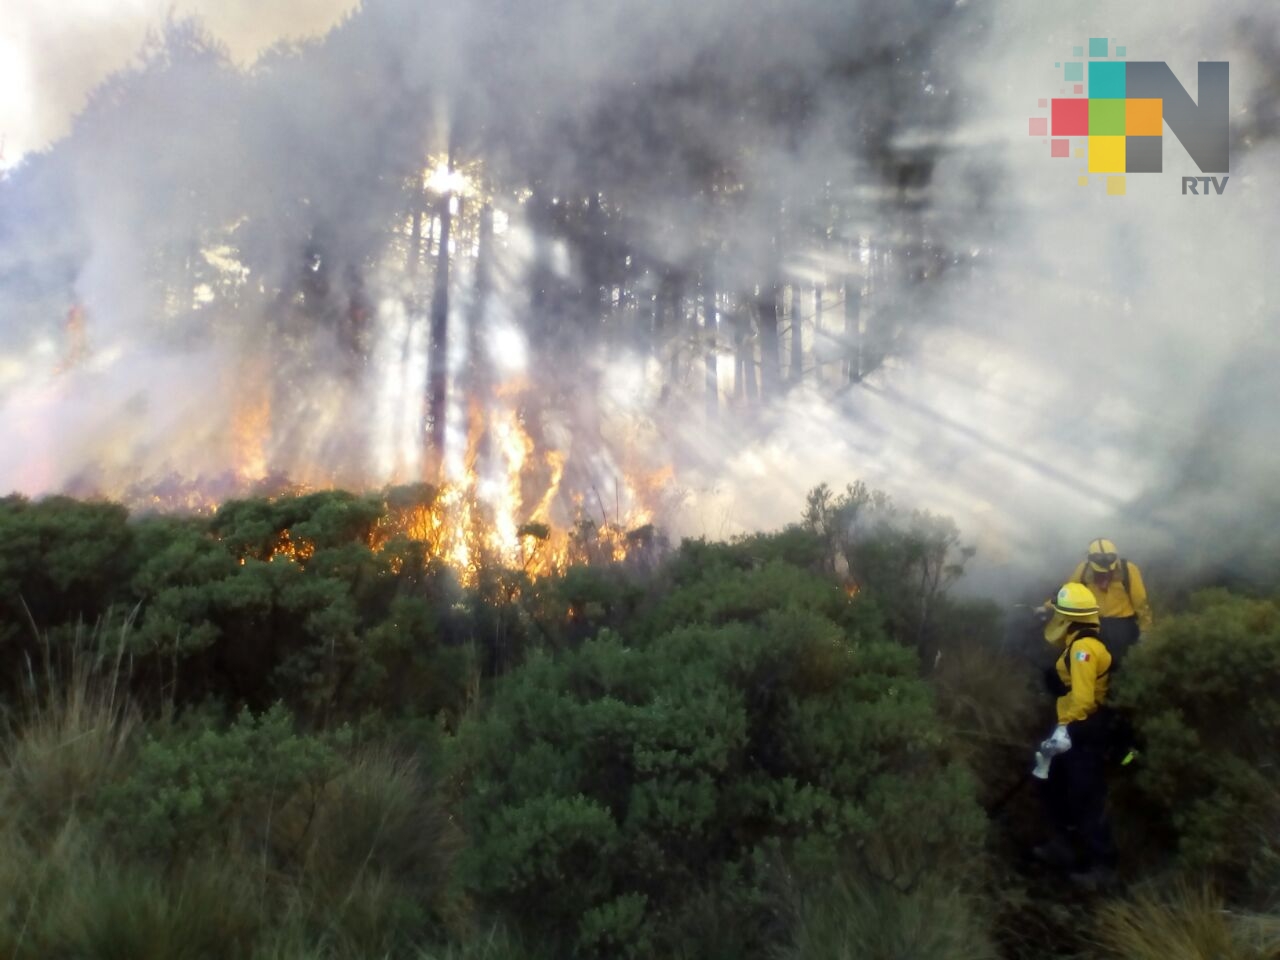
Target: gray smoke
x: 1075, y: 365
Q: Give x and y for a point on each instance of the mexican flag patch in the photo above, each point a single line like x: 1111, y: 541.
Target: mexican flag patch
x: 1082, y: 656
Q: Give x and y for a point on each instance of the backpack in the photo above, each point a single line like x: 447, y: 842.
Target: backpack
x: 1124, y: 576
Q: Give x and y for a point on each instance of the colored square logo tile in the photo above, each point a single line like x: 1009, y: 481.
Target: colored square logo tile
x: 1038, y: 126
x: 1073, y: 71
x: 1077, y: 51
x: 1106, y: 81
x: 1144, y: 118
x: 1070, y: 117
x: 1079, y: 88
x: 1143, y: 154
x: 1106, y: 118
x: 1060, y: 148
x: 1115, y: 186
x: 1121, y: 51
x: 1106, y: 155
x: 1083, y: 181
x: 1097, y: 46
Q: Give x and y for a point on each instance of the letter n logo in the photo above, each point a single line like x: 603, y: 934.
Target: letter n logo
x: 1203, y: 127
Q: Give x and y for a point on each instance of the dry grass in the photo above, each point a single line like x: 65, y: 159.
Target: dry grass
x: 71, y: 734
x: 851, y: 919
x: 1188, y: 923
x: 987, y: 700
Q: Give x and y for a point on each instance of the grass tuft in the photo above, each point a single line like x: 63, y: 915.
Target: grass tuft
x: 1188, y: 923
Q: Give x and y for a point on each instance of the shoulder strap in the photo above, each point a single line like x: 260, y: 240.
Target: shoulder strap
x: 1124, y: 577
x: 1096, y: 636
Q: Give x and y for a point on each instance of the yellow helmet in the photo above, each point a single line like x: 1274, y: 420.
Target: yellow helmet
x: 1075, y: 601
x: 1102, y: 555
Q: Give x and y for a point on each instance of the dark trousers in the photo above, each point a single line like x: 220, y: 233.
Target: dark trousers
x: 1118, y: 634
x: 1076, y: 797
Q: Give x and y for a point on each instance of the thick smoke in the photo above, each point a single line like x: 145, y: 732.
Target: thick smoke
x: 1074, y: 365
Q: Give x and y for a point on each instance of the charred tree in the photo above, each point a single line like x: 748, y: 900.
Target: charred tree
x: 477, y: 360
x: 413, y: 258
x: 438, y: 351
x: 767, y: 322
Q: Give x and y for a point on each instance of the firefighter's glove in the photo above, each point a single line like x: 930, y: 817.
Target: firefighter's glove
x: 1043, y: 613
x: 1059, y: 742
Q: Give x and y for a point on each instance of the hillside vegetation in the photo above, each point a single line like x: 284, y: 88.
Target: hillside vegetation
x: 290, y: 731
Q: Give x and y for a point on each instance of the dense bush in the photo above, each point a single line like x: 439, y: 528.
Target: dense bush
x: 906, y: 560
x: 292, y: 730
x: 606, y: 783
x: 206, y: 840
x: 60, y: 559
x: 1203, y: 691
x: 323, y: 601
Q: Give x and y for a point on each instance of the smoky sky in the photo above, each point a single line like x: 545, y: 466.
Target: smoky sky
x: 1087, y: 365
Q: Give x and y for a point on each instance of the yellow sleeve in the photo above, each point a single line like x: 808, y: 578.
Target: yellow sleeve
x: 1138, y: 596
x: 1082, y: 700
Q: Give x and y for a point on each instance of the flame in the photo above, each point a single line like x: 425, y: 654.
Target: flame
x: 297, y: 551
x: 251, y: 426
x: 502, y: 504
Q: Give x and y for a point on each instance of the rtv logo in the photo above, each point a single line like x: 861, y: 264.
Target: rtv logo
x: 1118, y: 126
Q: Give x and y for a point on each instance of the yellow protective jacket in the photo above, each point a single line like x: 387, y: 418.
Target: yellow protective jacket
x: 1115, y: 601
x: 1083, y: 668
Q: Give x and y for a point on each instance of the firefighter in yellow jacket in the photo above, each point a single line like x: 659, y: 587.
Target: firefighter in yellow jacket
x: 1076, y: 787
x: 1117, y: 585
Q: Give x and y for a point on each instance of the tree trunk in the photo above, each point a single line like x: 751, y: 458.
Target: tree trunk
x: 817, y: 333
x: 438, y: 352
x: 770, y: 362
x: 852, y: 371
x: 414, y: 257
x: 797, y: 337
x: 739, y: 360
x: 710, y: 332
x: 477, y: 359
x: 677, y: 329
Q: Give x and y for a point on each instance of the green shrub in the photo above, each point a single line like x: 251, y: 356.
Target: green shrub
x: 605, y: 783
x: 200, y: 788
x: 1202, y: 689
x: 904, y: 561
x: 60, y: 563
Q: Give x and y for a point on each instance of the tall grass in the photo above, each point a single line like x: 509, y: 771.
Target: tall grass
x: 854, y: 919
x: 355, y: 866
x: 1187, y: 923
x: 72, y: 732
